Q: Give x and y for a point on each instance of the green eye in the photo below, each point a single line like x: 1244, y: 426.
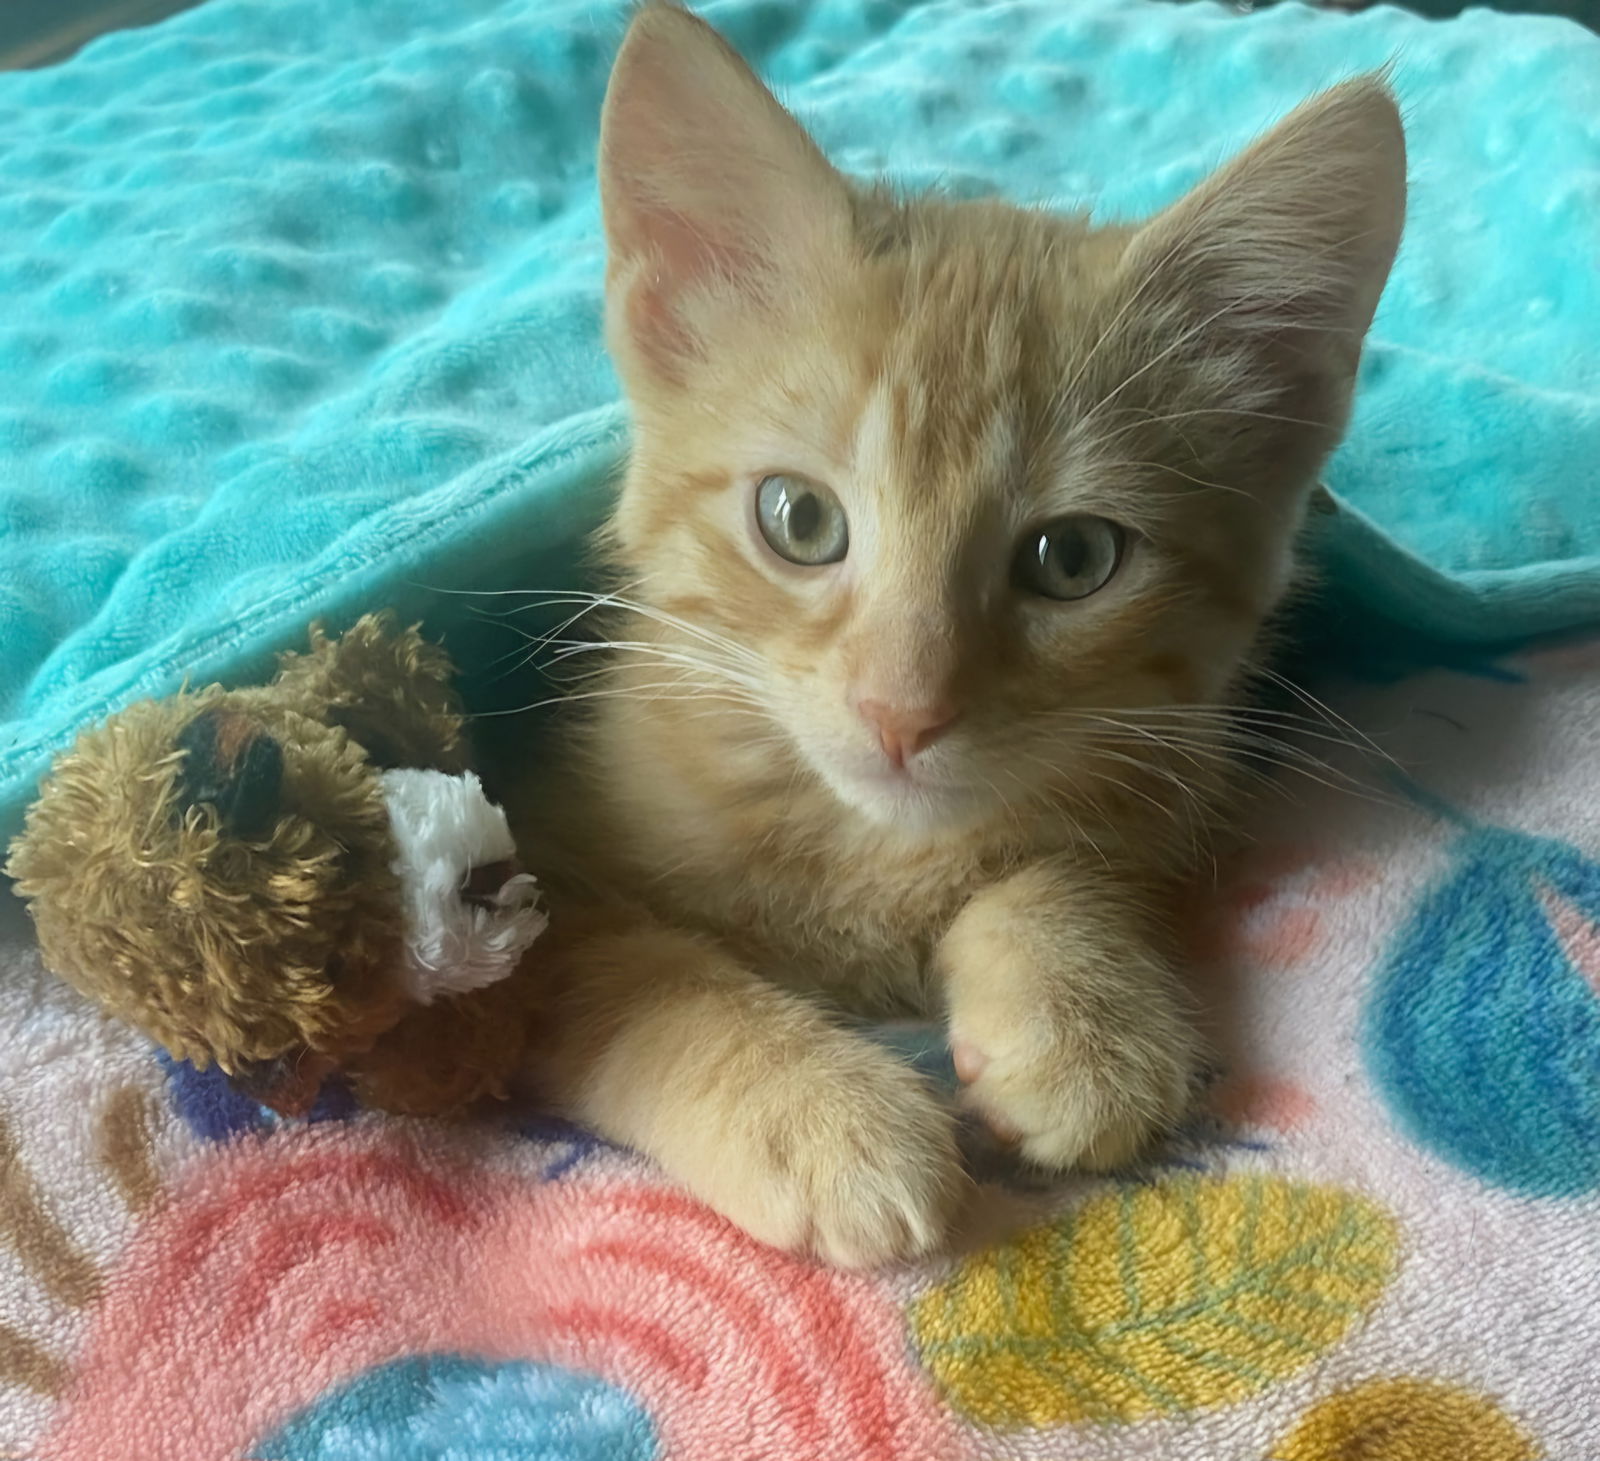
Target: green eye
x: 801, y: 521
x: 1069, y: 558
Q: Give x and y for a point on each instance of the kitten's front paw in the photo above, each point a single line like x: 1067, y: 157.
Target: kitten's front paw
x: 1065, y: 1023
x: 1071, y: 1094
x: 860, y: 1170
x: 1077, y: 1050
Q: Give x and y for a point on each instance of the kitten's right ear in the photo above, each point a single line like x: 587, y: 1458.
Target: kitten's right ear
x: 714, y: 197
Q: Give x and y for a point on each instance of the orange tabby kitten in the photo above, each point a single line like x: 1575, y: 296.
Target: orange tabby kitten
x: 947, y: 536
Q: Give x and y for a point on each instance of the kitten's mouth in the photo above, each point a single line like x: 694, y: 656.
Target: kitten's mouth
x: 910, y: 796
x: 883, y: 777
x: 886, y: 773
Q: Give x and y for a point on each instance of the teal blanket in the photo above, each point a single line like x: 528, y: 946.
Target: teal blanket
x: 299, y: 299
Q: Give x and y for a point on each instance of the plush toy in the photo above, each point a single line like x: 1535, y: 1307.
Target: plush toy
x: 294, y: 881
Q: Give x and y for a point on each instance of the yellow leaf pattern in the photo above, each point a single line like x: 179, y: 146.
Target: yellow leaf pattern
x: 1406, y: 1420
x: 1154, y: 1300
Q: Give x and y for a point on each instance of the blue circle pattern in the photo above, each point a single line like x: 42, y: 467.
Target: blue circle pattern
x: 1481, y: 1034
x: 456, y: 1408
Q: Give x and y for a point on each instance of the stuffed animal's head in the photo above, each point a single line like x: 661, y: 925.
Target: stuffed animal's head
x: 232, y: 873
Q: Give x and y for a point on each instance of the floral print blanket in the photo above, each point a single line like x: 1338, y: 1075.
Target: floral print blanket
x: 1381, y: 1238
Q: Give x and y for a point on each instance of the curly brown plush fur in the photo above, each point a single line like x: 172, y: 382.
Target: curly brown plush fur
x: 217, y: 870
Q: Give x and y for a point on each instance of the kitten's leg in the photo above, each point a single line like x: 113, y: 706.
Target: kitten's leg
x: 808, y: 1137
x: 1064, y: 1017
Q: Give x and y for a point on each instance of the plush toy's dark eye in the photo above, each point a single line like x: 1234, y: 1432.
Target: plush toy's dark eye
x: 1069, y: 558
x: 232, y: 764
x: 802, y: 521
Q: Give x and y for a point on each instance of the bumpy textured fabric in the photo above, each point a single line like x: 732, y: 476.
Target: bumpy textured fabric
x: 1380, y: 1238
x: 299, y: 299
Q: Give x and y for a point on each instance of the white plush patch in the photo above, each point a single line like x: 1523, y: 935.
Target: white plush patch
x: 444, y: 826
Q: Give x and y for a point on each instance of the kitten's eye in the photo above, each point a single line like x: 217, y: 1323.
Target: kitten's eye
x: 801, y: 521
x: 1069, y: 558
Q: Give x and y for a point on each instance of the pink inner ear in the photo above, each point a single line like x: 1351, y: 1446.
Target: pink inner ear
x: 676, y: 254
x: 680, y: 181
x: 686, y: 248
x: 656, y: 333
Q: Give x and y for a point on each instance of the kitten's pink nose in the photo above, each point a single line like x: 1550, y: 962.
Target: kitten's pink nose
x: 904, y: 733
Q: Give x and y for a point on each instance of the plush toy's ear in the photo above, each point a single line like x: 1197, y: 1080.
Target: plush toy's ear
x: 390, y: 688
x: 442, y: 1057
x: 232, y: 764
x: 289, y: 1085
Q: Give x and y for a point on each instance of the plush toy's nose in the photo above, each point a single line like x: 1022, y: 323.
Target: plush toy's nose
x: 232, y: 764
x: 483, y: 883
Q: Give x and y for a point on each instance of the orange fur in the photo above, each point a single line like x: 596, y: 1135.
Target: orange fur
x: 956, y: 374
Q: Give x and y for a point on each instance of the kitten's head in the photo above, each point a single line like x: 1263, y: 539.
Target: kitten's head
x: 965, y: 477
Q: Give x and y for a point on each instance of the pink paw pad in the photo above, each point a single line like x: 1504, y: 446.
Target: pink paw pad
x: 969, y: 1061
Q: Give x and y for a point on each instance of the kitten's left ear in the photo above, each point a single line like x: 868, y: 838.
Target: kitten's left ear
x: 1280, y: 256
x: 714, y: 197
